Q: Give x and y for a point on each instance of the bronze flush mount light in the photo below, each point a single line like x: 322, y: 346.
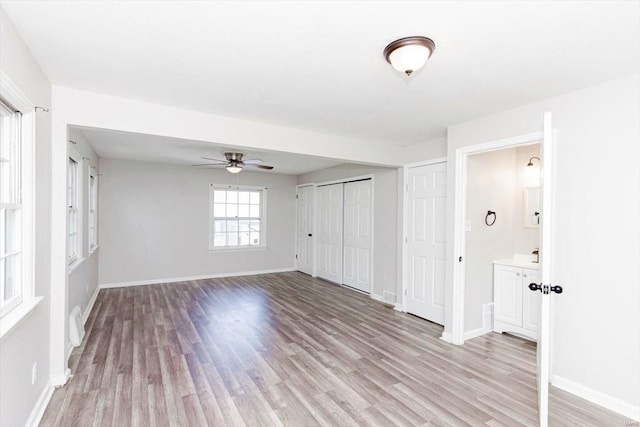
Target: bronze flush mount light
x: 409, y: 54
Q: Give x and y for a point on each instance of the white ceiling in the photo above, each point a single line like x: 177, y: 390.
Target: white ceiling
x: 149, y: 148
x: 319, y: 65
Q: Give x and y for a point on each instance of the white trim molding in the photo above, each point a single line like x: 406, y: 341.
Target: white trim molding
x: 92, y: 301
x: 612, y: 403
x: 190, y: 278
x: 41, y: 405
x: 60, y: 380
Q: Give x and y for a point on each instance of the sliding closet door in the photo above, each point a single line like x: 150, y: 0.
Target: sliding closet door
x: 330, y: 211
x: 357, y: 235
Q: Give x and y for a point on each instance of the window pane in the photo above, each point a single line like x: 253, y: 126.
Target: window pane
x: 219, y: 210
x: 11, y: 276
x: 255, y: 225
x: 243, y: 197
x: 232, y: 211
x: 232, y: 239
x: 255, y: 238
x: 232, y: 226
x: 244, y: 238
x: 232, y: 197
x: 220, y: 226
x: 243, y: 211
x: 254, y: 211
x: 255, y: 198
x: 10, y: 218
x: 244, y: 225
x: 219, y: 196
x: 219, y: 239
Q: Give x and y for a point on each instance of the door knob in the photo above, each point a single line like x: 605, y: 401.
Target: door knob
x: 535, y: 287
x: 557, y: 289
x: 309, y: 234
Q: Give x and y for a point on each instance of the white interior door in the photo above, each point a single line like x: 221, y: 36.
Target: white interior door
x: 425, y: 249
x: 330, y: 212
x: 304, y: 229
x: 544, y: 324
x: 357, y: 235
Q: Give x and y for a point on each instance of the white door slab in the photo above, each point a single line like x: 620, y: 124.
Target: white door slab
x: 426, y: 230
x: 304, y: 229
x: 357, y: 235
x: 330, y: 212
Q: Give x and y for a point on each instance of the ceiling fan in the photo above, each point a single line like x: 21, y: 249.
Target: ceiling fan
x: 234, y: 163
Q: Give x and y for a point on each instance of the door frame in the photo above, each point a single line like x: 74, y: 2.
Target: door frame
x: 313, y: 228
x: 460, y: 209
x: 315, y: 222
x: 405, y: 212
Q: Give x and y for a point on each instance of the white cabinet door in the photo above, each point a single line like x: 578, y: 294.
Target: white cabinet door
x: 304, y: 229
x: 508, y: 294
x: 330, y: 210
x: 530, y: 300
x: 426, y: 231
x: 357, y: 235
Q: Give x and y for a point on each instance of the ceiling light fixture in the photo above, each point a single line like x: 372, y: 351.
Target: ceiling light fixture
x: 234, y: 167
x: 409, y: 54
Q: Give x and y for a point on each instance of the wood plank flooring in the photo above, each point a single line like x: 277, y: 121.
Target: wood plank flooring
x: 289, y: 350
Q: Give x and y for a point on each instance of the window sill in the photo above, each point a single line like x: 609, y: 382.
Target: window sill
x: 75, y: 264
x: 240, y: 249
x: 17, y: 315
x: 93, y: 249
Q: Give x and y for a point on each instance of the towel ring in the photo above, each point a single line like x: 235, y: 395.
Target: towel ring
x: 486, y: 218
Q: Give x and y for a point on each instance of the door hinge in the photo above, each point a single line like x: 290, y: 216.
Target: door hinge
x: 406, y: 239
x: 405, y: 292
x: 296, y: 256
x: 296, y: 196
x: 406, y: 187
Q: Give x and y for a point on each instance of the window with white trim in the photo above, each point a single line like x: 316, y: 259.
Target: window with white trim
x: 93, y: 209
x: 237, y: 217
x: 11, y: 208
x: 73, y: 212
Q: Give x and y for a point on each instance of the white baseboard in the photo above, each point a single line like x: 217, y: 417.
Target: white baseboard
x: 60, y: 380
x: 186, y: 279
x: 398, y: 307
x: 41, y: 405
x: 476, y: 333
x: 92, y: 301
x: 381, y: 299
x: 612, y: 403
x: 447, y: 337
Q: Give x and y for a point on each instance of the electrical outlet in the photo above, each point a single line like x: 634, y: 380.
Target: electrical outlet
x: 34, y: 373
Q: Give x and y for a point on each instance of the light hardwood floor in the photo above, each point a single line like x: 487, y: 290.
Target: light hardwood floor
x: 286, y: 349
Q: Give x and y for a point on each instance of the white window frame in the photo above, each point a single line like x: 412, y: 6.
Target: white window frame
x: 92, y: 228
x: 12, y: 314
x: 74, y: 208
x: 262, y: 218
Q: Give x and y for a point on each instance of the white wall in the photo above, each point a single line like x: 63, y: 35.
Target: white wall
x: 83, y: 279
x: 428, y: 150
x: 596, y: 321
x: 154, y: 222
x: 385, y: 214
x: 28, y: 342
x: 490, y: 186
x: 525, y: 240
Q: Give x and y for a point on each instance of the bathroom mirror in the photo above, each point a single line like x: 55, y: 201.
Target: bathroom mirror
x: 532, y: 207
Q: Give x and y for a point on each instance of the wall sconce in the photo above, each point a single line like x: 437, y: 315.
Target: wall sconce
x: 532, y: 173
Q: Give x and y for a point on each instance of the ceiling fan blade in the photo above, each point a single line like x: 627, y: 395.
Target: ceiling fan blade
x: 214, y: 160
x: 259, y: 166
x: 211, y: 164
x: 252, y: 161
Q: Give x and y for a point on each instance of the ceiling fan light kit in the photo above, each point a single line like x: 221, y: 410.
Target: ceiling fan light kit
x: 409, y: 54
